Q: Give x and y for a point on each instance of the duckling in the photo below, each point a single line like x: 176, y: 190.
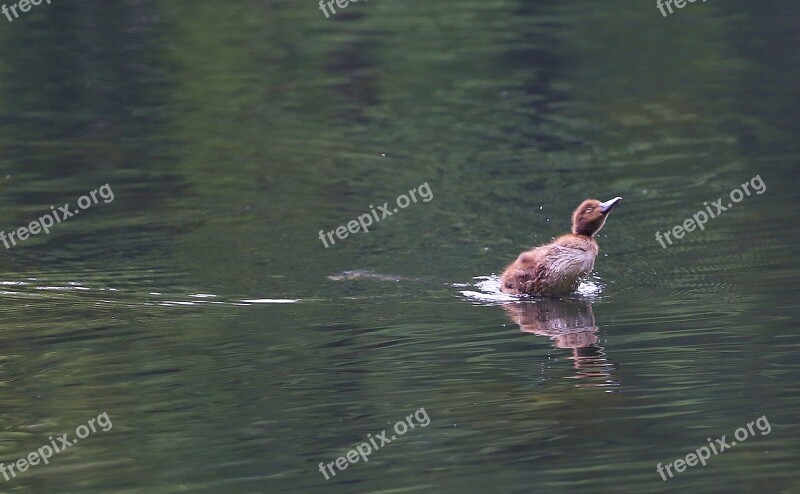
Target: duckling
x: 557, y: 268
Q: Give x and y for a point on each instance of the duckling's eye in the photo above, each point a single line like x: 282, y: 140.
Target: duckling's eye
x: 589, y: 209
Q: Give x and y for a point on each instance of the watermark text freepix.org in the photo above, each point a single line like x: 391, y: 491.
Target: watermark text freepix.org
x: 668, y: 3
x: 700, y: 218
x: 46, y: 452
x: 57, y: 216
x: 340, y: 3
x: 23, y: 5
x: 365, y: 220
x: 703, y: 453
x: 364, y: 449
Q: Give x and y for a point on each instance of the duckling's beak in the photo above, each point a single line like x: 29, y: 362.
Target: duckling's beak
x: 606, y: 207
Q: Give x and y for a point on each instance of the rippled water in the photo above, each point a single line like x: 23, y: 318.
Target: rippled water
x: 233, y: 351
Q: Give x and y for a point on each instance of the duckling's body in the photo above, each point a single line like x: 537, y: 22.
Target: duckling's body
x: 552, y: 269
x: 558, y: 267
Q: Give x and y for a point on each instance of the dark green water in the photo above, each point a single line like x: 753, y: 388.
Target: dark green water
x: 231, y: 351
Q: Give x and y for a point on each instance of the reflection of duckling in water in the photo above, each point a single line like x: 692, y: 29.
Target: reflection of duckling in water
x: 557, y: 268
x: 568, y: 324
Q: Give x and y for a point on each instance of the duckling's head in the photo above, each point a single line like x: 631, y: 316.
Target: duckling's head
x: 591, y: 215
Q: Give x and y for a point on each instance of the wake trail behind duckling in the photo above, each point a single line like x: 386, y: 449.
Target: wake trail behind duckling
x: 489, y: 293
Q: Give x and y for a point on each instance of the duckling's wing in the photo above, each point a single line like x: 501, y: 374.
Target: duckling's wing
x: 525, y: 274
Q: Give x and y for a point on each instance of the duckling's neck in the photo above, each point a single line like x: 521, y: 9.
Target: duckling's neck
x: 583, y: 231
x: 578, y: 241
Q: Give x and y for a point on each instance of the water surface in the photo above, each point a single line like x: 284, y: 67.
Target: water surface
x: 234, y: 352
